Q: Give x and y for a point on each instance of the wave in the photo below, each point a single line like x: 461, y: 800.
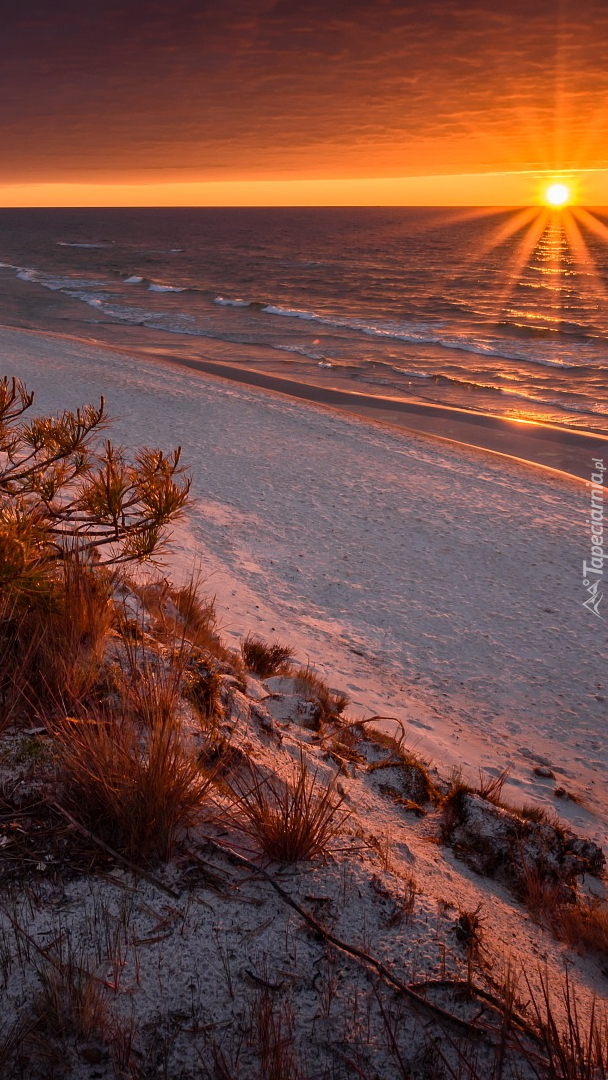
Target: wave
x: 225, y: 302
x: 65, y: 243
x: 104, y: 297
x: 299, y: 350
x: 519, y: 393
x: 419, y: 333
x: 413, y: 374
x: 258, y: 305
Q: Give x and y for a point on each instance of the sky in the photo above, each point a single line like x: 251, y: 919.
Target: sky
x: 295, y: 101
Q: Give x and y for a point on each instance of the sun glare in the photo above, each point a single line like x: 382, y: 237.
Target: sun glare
x: 557, y: 195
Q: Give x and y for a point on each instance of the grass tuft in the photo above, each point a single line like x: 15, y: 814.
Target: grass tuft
x: 331, y: 703
x: 129, y: 776
x: 53, y: 647
x: 293, y: 821
x: 576, y: 1049
x: 265, y: 660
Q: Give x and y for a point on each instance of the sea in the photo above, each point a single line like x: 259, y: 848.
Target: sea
x: 495, y: 311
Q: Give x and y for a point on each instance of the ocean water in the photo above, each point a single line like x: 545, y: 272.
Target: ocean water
x: 490, y: 311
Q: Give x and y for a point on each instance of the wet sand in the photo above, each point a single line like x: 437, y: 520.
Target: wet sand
x: 567, y: 450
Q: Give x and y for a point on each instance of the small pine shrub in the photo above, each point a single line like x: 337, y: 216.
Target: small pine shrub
x: 70, y: 505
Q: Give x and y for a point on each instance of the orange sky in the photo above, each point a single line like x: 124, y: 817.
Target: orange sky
x: 273, y: 102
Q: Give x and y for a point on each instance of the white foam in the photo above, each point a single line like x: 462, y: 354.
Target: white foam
x: 27, y: 275
x: 295, y: 313
x: 164, y: 288
x: 224, y: 302
x: 133, y: 280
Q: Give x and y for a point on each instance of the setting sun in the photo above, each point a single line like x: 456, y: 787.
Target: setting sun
x: 557, y: 195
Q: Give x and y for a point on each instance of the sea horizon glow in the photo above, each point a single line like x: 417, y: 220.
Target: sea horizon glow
x: 252, y: 103
x: 520, y: 188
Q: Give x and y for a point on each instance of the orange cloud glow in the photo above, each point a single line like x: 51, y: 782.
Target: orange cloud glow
x: 259, y: 101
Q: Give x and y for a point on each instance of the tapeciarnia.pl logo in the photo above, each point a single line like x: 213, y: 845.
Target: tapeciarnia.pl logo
x: 593, y: 571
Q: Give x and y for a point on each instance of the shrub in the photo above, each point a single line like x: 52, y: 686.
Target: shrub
x: 265, y: 660
x: 68, y: 508
x: 58, y: 493
x: 129, y: 777
x: 290, y: 821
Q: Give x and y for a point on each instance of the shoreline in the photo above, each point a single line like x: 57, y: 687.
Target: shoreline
x: 432, y: 584
x: 567, y: 452
x: 564, y: 450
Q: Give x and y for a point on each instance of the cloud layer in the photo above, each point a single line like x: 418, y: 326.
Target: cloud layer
x: 255, y: 88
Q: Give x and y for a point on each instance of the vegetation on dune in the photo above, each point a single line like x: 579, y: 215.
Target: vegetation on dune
x: 142, y: 726
x: 72, y: 510
x: 60, y: 492
x: 265, y: 660
x: 292, y: 821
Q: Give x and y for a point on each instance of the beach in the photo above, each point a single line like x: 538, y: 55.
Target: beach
x: 440, y: 588
x: 435, y: 584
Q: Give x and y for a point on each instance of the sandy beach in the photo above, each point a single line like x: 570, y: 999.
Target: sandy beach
x: 28, y: 305
x: 440, y: 588
x: 435, y: 584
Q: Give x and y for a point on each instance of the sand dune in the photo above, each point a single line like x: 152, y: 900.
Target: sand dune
x: 437, y: 585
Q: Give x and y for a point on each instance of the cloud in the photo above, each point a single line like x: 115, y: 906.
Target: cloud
x: 260, y: 88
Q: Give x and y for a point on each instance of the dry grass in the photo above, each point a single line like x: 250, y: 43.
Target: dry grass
x: 272, y: 1035
x: 129, y: 776
x: 184, y: 613
x: 53, y: 648
x: 584, y: 925
x: 575, y: 1048
x: 490, y: 787
x: 265, y: 660
x: 416, y: 783
x: 312, y: 687
x: 581, y: 922
x: 203, y: 689
x: 292, y: 821
x: 135, y: 788
x: 150, y: 684
x: 72, y: 1001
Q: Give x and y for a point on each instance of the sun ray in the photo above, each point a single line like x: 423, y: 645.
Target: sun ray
x: 516, y: 221
x: 591, y: 222
x: 583, y: 258
x: 521, y: 257
x: 513, y: 225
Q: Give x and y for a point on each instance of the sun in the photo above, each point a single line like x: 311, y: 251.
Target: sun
x: 557, y: 195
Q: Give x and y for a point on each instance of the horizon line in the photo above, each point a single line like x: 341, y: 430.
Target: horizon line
x: 515, y: 188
